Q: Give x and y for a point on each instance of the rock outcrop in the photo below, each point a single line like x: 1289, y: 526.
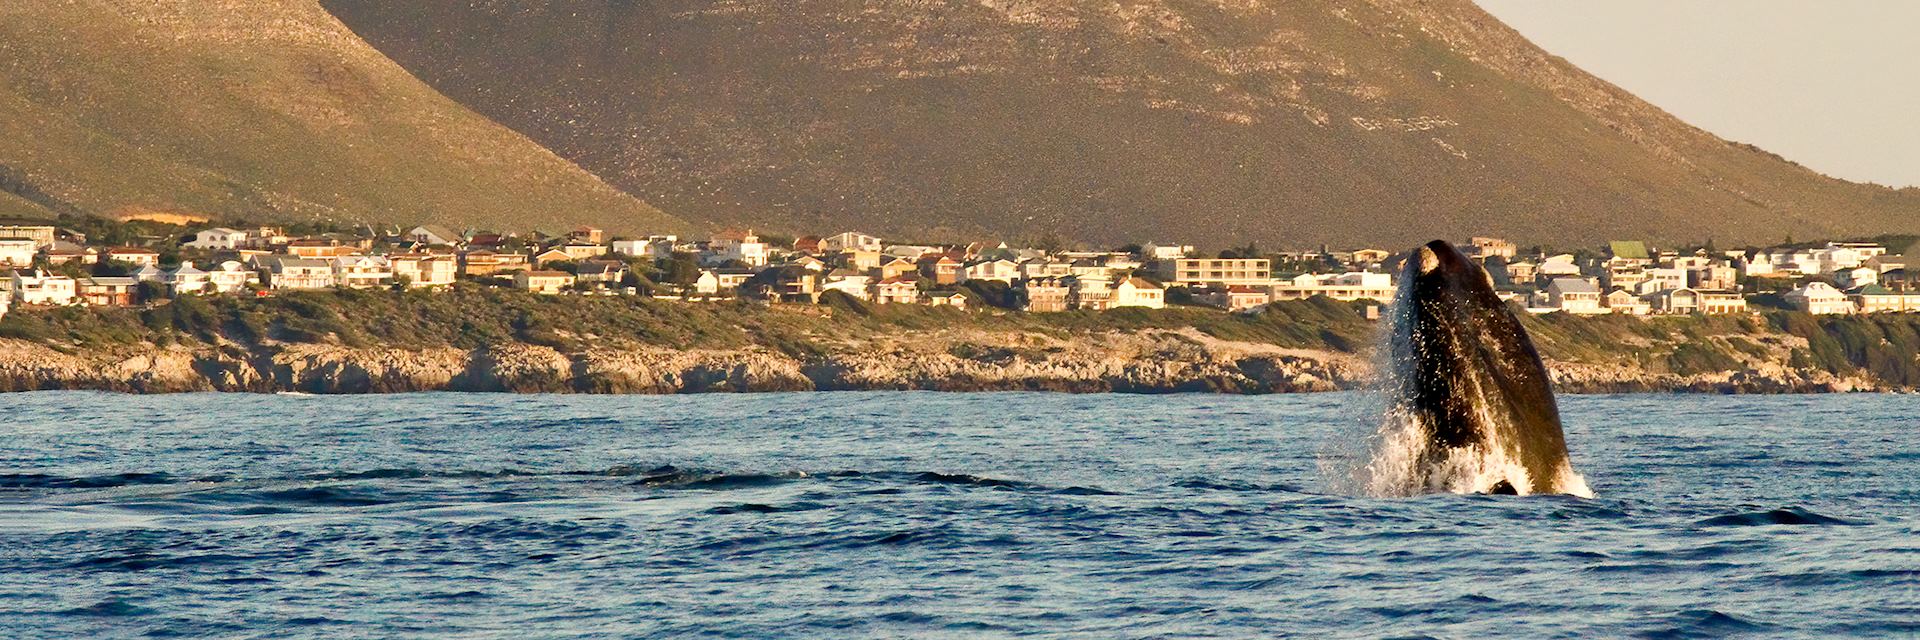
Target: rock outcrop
x: 1161, y: 361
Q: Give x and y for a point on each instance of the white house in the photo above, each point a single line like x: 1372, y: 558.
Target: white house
x: 230, y: 276
x: 1138, y: 292
x: 433, y: 234
x: 362, y: 272
x: 218, y: 239
x: 1349, y: 286
x: 1558, y: 266
x: 185, y: 279
x: 1001, y: 270
x: 1156, y: 251
x: 1819, y: 298
x: 1575, y: 295
x: 18, y: 253
x: 1856, y: 277
x: 424, y: 271
x: 40, y: 287
x: 850, y: 240
x: 849, y: 282
x: 297, y: 273
x: 739, y: 245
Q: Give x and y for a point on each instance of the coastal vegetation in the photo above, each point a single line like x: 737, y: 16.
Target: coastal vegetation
x: 1879, y: 350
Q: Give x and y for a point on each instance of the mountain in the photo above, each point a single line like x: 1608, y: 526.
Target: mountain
x: 1212, y: 121
x: 258, y: 109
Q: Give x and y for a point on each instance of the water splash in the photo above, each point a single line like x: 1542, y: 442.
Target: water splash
x: 1391, y: 451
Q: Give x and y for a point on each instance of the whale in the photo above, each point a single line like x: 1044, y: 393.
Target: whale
x: 1472, y: 406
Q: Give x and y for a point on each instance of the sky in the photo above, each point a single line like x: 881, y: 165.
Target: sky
x: 1831, y: 84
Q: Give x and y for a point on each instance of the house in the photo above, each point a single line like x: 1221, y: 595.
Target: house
x: 999, y: 270
x: 1045, y: 268
x: 18, y: 252
x: 858, y: 259
x: 148, y: 273
x: 1819, y: 298
x: 1256, y: 272
x: 288, y: 272
x: 606, y: 272
x: 1094, y: 293
x: 43, y: 288
x: 786, y: 284
x: 108, y: 292
x: 424, y: 271
x: 850, y: 241
x: 62, y: 252
x: 1889, y: 262
x: 953, y: 299
x: 731, y: 279
x: 1628, y: 253
x: 134, y: 255
x: 1139, y: 292
x: 810, y: 263
x: 218, y: 239
x: 1558, y: 266
x: 812, y: 245
x: 581, y: 250
x: 1713, y: 276
x: 551, y: 256
x: 1874, y: 298
x: 1349, y: 286
x: 230, y: 276
x: 741, y: 245
x: 1626, y: 302
x: 1483, y: 248
x: 656, y: 247
x: 265, y: 237
x: 1236, y: 298
x: 707, y: 284
x: 849, y: 282
x: 940, y: 268
x: 1522, y: 271
x: 1370, y: 256
x: 588, y: 235
x: 362, y: 272
x: 896, y: 290
x: 432, y: 234
x: 1155, y: 252
x: 320, y: 248
x: 1856, y: 277
x: 543, y: 282
x: 1042, y: 295
x: 1574, y: 295
x: 1662, y: 279
x: 897, y: 267
x: 184, y: 278
x: 482, y: 263
x: 41, y: 235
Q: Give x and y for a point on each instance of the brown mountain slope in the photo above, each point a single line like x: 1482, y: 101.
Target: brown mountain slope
x: 1215, y: 121
x: 264, y: 109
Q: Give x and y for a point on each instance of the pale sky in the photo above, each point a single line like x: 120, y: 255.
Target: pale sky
x: 1831, y: 84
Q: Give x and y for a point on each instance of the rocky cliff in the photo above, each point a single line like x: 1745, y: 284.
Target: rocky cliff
x: 1159, y: 361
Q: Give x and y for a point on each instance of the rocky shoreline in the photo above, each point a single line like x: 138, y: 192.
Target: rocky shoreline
x: 1168, y: 361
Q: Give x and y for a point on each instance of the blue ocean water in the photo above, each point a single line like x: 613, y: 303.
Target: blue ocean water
x: 835, y: 515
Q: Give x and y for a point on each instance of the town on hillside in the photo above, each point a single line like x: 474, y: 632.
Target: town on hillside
x: 99, y: 262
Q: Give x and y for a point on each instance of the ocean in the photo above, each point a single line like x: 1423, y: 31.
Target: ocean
x: 929, y: 515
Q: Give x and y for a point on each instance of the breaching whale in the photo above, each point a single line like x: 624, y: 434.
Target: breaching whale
x: 1470, y: 406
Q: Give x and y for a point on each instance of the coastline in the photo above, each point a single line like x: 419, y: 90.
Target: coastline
x: 1148, y: 362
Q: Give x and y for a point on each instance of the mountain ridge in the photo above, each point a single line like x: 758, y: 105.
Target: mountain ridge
x: 1351, y: 121
x: 268, y: 110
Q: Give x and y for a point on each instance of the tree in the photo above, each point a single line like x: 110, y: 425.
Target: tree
x: 681, y: 269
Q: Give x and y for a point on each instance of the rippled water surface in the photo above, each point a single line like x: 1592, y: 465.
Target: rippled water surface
x: 931, y: 515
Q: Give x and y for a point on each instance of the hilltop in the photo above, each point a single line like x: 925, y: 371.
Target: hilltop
x: 1344, y: 121
x: 269, y: 110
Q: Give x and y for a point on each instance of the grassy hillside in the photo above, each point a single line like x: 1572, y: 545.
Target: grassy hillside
x: 1348, y: 121
x: 264, y: 109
